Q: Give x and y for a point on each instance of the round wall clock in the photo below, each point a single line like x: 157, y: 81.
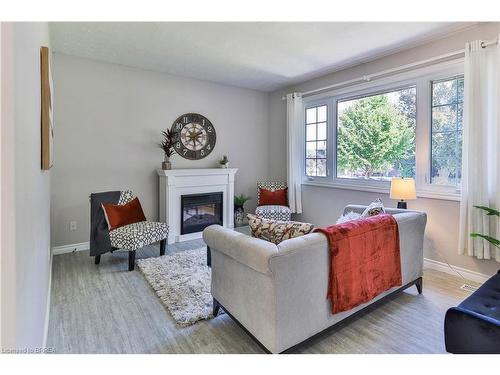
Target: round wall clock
x: 195, y: 136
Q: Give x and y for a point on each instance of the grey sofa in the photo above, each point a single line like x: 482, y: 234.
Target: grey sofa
x: 277, y: 293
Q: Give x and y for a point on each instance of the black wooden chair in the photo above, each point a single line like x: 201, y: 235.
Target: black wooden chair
x: 133, y: 237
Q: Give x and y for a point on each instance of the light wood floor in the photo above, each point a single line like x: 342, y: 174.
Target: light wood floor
x: 106, y: 309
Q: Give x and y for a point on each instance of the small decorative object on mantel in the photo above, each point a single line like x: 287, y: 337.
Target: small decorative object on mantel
x: 239, y: 212
x: 167, y: 145
x: 224, y: 162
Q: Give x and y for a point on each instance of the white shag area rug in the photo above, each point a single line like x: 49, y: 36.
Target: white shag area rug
x: 182, y: 281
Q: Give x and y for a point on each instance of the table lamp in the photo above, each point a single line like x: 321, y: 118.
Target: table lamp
x: 403, y: 189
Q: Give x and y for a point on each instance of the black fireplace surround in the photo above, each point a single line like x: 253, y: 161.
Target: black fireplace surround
x: 198, y: 211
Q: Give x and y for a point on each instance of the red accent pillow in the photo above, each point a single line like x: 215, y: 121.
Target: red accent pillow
x: 277, y: 197
x: 120, y: 215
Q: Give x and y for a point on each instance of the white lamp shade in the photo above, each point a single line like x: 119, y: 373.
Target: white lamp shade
x: 403, y: 188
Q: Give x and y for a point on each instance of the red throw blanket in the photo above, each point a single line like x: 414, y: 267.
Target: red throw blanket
x: 365, y: 260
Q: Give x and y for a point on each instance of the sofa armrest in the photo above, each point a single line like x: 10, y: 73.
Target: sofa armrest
x: 466, y: 332
x: 360, y: 208
x: 250, y: 251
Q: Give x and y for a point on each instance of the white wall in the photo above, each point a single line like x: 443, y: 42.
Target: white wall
x: 323, y: 205
x: 27, y: 187
x: 7, y: 225
x: 108, y: 122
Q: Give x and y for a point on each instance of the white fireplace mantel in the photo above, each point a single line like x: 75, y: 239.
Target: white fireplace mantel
x: 177, y: 182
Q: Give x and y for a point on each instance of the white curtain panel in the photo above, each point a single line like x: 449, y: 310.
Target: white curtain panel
x: 481, y: 150
x: 294, y: 133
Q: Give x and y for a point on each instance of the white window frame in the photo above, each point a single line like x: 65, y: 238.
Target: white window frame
x: 421, y: 79
x: 450, y: 187
x: 329, y: 138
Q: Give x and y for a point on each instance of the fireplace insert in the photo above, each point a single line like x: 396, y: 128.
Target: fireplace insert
x: 198, y: 211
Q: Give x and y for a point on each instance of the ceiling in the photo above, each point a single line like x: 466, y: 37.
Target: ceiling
x: 261, y: 56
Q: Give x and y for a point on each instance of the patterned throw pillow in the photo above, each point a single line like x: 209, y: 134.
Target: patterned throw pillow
x: 375, y: 208
x: 277, y: 231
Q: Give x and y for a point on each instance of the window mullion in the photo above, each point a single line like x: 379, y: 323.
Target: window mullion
x: 445, y: 163
x: 423, y: 136
x: 332, y: 136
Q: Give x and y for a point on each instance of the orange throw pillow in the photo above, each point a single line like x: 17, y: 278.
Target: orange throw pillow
x: 120, y: 215
x: 277, y: 197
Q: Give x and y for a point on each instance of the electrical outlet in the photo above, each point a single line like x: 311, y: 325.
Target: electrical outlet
x: 72, y: 226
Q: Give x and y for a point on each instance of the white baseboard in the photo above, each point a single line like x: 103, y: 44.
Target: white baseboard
x: 47, y: 308
x: 57, y: 250
x: 443, y: 267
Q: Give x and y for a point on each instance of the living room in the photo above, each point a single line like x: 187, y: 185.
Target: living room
x: 211, y: 187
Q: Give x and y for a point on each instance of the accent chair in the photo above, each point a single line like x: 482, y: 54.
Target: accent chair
x: 272, y: 212
x: 131, y: 237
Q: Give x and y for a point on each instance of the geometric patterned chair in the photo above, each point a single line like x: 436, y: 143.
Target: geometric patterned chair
x: 135, y: 236
x: 272, y: 212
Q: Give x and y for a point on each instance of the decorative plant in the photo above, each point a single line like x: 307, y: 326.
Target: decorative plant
x: 240, y: 200
x: 489, y: 212
x: 167, y: 144
x: 224, y: 160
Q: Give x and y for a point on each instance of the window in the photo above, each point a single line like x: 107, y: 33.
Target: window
x: 316, y: 138
x: 406, y: 125
x: 376, y: 135
x: 446, y: 132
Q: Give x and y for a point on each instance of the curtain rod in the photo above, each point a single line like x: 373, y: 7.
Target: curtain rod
x: 369, y: 77
x: 488, y: 43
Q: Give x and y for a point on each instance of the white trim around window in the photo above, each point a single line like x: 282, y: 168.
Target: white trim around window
x: 421, y: 79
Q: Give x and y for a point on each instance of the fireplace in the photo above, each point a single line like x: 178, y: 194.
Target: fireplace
x: 175, y: 183
x: 198, y: 211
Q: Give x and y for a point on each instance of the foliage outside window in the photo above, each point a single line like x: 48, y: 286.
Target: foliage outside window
x: 316, y: 141
x: 409, y: 125
x: 446, y: 135
x: 376, y: 136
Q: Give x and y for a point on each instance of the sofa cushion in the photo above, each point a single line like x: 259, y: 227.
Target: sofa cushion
x: 137, y: 235
x: 277, y: 231
x: 273, y: 212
